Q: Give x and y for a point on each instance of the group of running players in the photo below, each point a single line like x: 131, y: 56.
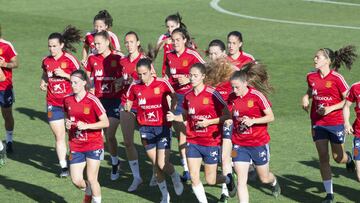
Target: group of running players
x: 218, y: 109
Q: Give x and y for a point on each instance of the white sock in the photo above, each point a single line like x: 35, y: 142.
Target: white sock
x: 184, y: 163
x: 63, y: 163
x: 134, y: 166
x: 1, y: 146
x: 96, y: 199
x: 224, y: 190
x: 114, y: 160
x: 328, y: 185
x: 9, y: 136
x: 200, y: 193
x: 163, y: 188
x: 274, y: 183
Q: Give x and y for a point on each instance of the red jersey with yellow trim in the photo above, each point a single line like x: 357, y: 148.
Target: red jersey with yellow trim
x: 243, y: 59
x: 58, y: 87
x: 104, y: 71
x: 7, y: 52
x: 87, y: 110
x: 89, y: 41
x: 326, y: 91
x: 354, y: 96
x: 251, y: 105
x: 152, y: 103
x: 179, y: 65
x: 224, y: 89
x: 208, y: 104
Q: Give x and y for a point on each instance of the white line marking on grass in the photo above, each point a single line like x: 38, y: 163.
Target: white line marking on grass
x: 215, y: 5
x: 333, y: 2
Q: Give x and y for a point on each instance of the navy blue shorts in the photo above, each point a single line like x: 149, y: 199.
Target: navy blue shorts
x: 55, y: 113
x: 112, y: 107
x: 334, y: 133
x: 209, y: 154
x: 356, y: 148
x: 179, y: 104
x: 79, y: 157
x: 7, y: 98
x: 155, y: 136
x: 134, y: 111
x: 259, y: 155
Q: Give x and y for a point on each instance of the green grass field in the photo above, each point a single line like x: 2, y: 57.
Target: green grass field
x: 287, y: 49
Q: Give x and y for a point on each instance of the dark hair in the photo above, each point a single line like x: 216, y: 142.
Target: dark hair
x: 83, y: 76
x: 344, y: 56
x: 185, y: 35
x: 216, y: 43
x: 176, y: 18
x: 70, y: 35
x: 255, y: 75
x: 151, y: 54
x: 144, y: 62
x: 236, y: 34
x: 105, y: 16
x: 106, y: 36
x: 218, y: 71
x: 201, y: 67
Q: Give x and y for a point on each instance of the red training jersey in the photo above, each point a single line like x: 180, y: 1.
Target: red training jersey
x: 58, y: 87
x: 326, y: 91
x: 152, y: 103
x: 251, y: 105
x: 224, y: 89
x: 354, y: 96
x: 87, y: 110
x: 89, y: 41
x: 179, y: 65
x: 104, y: 72
x: 208, y: 104
x: 167, y: 48
x: 7, y: 52
x: 243, y: 59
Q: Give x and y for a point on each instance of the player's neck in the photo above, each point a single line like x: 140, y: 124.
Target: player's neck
x: 236, y: 55
x: 134, y: 55
x: 58, y: 55
x: 106, y: 53
x: 324, y: 71
x: 79, y: 96
x: 199, y: 88
x: 149, y: 81
x: 181, y: 51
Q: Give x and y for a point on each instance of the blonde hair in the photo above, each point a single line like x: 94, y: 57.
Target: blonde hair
x: 218, y: 71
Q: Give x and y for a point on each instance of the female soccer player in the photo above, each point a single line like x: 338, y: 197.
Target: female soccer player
x: 8, y: 61
x: 216, y: 49
x: 2, y: 147
x: 177, y: 65
x: 235, y: 51
x: 205, y: 111
x: 151, y: 94
x: 102, y: 22
x: 251, y: 112
x: 104, y: 69
x: 353, y: 96
x: 85, y: 119
x: 327, y: 89
x: 55, y: 80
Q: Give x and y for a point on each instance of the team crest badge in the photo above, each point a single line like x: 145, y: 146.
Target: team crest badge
x: 185, y: 63
x: 1, y: 51
x: 206, y: 101
x: 328, y: 84
x: 86, y: 110
x: 356, y: 152
x: 49, y: 114
x: 157, y: 90
x: 250, y: 103
x: 113, y: 64
x: 233, y: 153
x: 63, y: 65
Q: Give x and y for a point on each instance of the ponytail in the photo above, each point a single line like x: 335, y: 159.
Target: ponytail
x: 70, y: 36
x: 176, y: 18
x: 218, y: 71
x: 342, y: 57
x: 105, y: 16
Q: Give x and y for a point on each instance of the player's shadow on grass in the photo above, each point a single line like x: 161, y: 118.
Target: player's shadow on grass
x: 33, y: 114
x: 336, y: 169
x: 34, y: 192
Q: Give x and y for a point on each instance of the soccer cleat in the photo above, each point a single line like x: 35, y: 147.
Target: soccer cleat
x: 64, y: 172
x: 329, y: 198
x: 231, y: 186
x: 276, y: 190
x: 9, y: 148
x: 2, y: 157
x: 165, y: 199
x: 178, y: 186
x: 87, y: 198
x: 153, y: 181
x: 115, y: 171
x: 223, y: 198
x: 350, y: 167
x: 185, y: 177
x: 135, y: 184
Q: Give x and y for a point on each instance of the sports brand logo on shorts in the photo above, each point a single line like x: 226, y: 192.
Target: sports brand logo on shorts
x: 263, y: 155
x: 328, y: 84
x: 214, y: 155
x: 63, y: 65
x: 250, y: 103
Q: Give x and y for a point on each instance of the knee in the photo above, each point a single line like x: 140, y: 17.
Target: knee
x: 92, y: 180
x: 77, y: 182
x: 128, y: 143
x: 338, y: 158
x: 210, y: 180
x: 264, y: 179
x: 161, y: 166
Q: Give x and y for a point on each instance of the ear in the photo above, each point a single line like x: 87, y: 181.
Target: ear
x: 240, y: 44
x: 62, y: 45
x: 138, y: 43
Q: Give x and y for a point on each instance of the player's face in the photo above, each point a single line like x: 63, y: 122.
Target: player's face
x: 320, y: 60
x: 215, y: 52
x: 239, y: 87
x: 77, y: 84
x: 131, y: 44
x: 196, y: 77
x: 144, y: 74
x: 99, y: 25
x: 233, y: 44
x: 55, y: 48
x: 101, y: 44
x: 178, y: 42
x: 172, y: 25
